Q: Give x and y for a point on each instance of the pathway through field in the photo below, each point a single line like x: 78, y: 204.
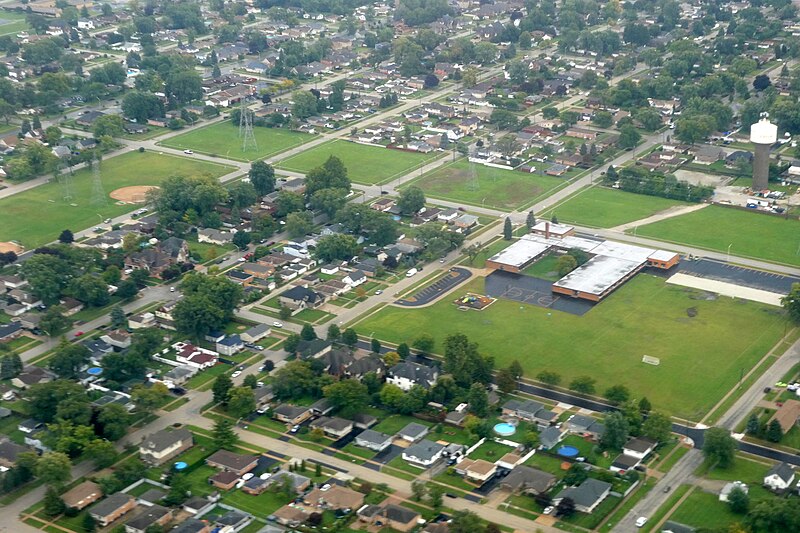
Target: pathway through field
x: 671, y: 212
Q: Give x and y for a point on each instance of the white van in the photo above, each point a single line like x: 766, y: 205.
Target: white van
x: 411, y: 272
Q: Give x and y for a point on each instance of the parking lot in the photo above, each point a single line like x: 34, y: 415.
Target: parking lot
x: 745, y: 277
x: 433, y: 291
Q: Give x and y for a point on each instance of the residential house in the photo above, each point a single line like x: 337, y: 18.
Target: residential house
x: 413, y: 432
x: 423, y: 453
x: 335, y: 498
x: 313, y: 348
x: 355, y: 278
x: 587, y: 496
x: 364, y: 421
x: 299, y: 298
x: 290, y: 516
x: 30, y: 321
x: 705, y: 154
x: 725, y: 493
x: 82, y: 495
x: 476, y: 470
x: 230, y: 344
x: 291, y: 414
x: 192, y: 525
x: 164, y: 445
x: 9, y: 452
x: 622, y: 463
x: 407, y: 374
x: 256, y: 333
x: 113, y: 507
x: 231, y: 521
x: 584, y: 425
x: 154, y: 515
x: 30, y: 426
x: 333, y: 427
x: 142, y: 320
x: 193, y: 356
x: 178, y: 375
x: 224, y: 480
x: 639, y: 447
x: 258, y: 270
x: 263, y: 397
x: 373, y: 440
x: 214, y: 236
x: 10, y: 331
x: 198, y: 505
x: 32, y: 375
x: 528, y: 480
x: 232, y: 462
x: 399, y: 518
x: 118, y: 338
x: 676, y: 527
x: 329, y: 269
x: 255, y: 486
x: 779, y: 478
x: 298, y: 482
x: 787, y: 415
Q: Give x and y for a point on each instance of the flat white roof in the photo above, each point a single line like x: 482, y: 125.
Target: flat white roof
x: 598, y: 274
x: 521, y: 252
x: 555, y: 229
x: 619, y: 250
x: 662, y: 255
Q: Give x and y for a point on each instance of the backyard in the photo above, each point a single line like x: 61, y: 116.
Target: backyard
x: 36, y: 216
x: 644, y: 317
x: 222, y: 139
x: 365, y: 164
x: 746, y: 233
x: 607, y: 208
x: 490, y: 187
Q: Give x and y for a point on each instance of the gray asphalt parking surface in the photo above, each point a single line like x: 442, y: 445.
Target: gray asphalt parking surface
x: 430, y: 293
x: 745, y: 277
x: 533, y: 291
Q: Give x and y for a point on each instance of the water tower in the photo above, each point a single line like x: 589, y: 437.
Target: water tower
x: 763, y: 134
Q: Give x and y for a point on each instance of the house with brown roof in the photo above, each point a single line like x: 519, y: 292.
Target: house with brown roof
x: 224, y: 480
x: 32, y: 375
x: 476, y: 470
x: 399, y: 518
x: 9, y: 452
x: 335, y: 498
x: 154, y: 515
x: 232, y: 462
x: 290, y: 516
x: 787, y: 415
x: 82, y: 495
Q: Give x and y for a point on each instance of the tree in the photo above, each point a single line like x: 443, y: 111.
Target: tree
x: 179, y: 490
x: 530, y: 220
x: 774, y: 431
x: 241, y: 402
x: 616, y: 433
x: 349, y: 337
x: 583, y: 385
x: 478, y: 400
x: 761, y: 82
x: 221, y: 388
x: 719, y: 447
x: 262, y: 177
x: 465, y: 522
x: 69, y: 359
x: 791, y: 303
x: 348, y: 396
x: 391, y: 358
x: 403, y: 350
x: 251, y: 381
x: 10, y: 365
x: 108, y: 126
x: 508, y: 230
x: 644, y: 405
x: 305, y: 104
x: 506, y: 381
x: 417, y: 490
x: 628, y: 137
x: 223, y: 434
x: 566, y: 507
x: 566, y: 264
x: 753, y: 425
x: 549, y: 377
x: 45, y: 399
x: 411, y: 200
x: 54, y: 469
x: 118, y: 318
x: 307, y: 333
x: 617, y: 394
x: 115, y: 420
x: 435, y: 496
x: 738, y: 500
x: 333, y: 333
x: 658, y: 427
x: 336, y: 246
x: 53, y: 504
x: 299, y: 224
x: 376, y: 345
x: 329, y: 200
x: 102, y: 453
x: 463, y: 361
x: 284, y: 312
x: 66, y: 237
x: 603, y: 119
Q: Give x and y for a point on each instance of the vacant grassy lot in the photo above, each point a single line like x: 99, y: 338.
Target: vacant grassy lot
x: 11, y: 22
x: 222, y: 139
x: 702, y: 509
x: 365, y: 164
x: 36, y: 216
x: 749, y: 234
x: 493, y: 187
x: 607, y: 208
x: 644, y: 317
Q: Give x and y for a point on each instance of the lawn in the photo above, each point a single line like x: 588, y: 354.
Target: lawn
x: 222, y: 139
x: 36, y: 216
x: 261, y: 506
x: 491, y: 187
x: 544, y: 268
x: 646, y: 316
x: 607, y: 208
x: 11, y: 22
x: 365, y: 164
x: 702, y: 509
x: 749, y: 234
x: 394, y: 423
x: 490, y: 451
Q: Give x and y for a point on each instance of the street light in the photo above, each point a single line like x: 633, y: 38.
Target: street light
x: 729, y: 253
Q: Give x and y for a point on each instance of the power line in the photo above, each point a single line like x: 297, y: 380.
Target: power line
x: 246, y: 128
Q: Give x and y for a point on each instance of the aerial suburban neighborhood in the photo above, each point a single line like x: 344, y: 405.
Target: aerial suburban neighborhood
x: 431, y: 266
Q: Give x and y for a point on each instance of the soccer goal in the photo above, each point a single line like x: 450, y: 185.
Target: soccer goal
x: 650, y: 360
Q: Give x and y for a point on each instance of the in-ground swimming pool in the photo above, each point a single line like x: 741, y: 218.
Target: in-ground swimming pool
x: 568, y: 451
x: 504, y: 429
x: 94, y: 371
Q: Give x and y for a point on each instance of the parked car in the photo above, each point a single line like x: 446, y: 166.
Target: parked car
x: 549, y: 509
x: 295, y: 428
x: 236, y: 374
x: 188, y: 152
x: 641, y: 521
x: 277, y: 324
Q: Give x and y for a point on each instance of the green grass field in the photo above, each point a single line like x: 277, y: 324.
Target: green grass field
x: 501, y: 189
x: 702, y: 509
x: 749, y: 234
x: 12, y: 22
x: 607, y: 208
x: 644, y: 317
x: 36, y: 216
x: 365, y: 164
x: 222, y: 139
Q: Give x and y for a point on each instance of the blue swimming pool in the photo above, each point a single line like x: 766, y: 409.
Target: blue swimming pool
x: 504, y: 429
x: 568, y: 451
x: 180, y: 465
x: 94, y: 371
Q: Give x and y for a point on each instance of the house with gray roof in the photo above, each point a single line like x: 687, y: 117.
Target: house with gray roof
x: 373, y: 440
x: 585, y: 425
x: 154, y: 515
x: 587, y: 496
x: 779, y: 478
x: 256, y: 333
x: 423, y: 453
x: 413, y: 432
x: 676, y: 527
x: 163, y: 445
x: 528, y: 480
x: 407, y: 374
x: 113, y: 507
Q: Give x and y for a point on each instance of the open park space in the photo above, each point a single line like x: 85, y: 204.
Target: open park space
x: 702, y: 357
x: 222, y: 139
x: 365, y: 164
x: 490, y: 187
x: 36, y: 216
x: 606, y: 208
x: 749, y: 234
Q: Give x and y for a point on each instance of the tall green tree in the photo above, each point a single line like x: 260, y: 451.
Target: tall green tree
x: 54, y: 469
x: 508, y: 230
x: 719, y: 447
x: 348, y: 396
x: 223, y: 434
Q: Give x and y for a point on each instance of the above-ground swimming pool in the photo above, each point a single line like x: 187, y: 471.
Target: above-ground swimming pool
x: 504, y: 429
x: 568, y: 451
x: 180, y: 465
x: 94, y: 371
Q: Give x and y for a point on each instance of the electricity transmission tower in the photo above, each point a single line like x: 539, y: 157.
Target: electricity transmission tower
x: 472, y: 180
x: 98, y: 194
x: 64, y: 177
x: 246, y: 128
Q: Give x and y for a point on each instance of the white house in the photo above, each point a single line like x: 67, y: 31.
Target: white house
x: 639, y: 447
x: 214, y: 236
x: 424, y: 453
x: 406, y: 374
x: 373, y: 440
x: 356, y: 278
x: 194, y: 356
x: 230, y: 344
x: 728, y: 488
x: 779, y: 478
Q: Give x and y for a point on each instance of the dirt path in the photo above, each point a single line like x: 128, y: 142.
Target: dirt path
x: 676, y: 211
